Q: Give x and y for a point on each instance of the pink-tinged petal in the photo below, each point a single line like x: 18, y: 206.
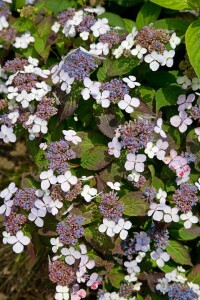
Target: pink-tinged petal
x: 141, y: 158
x: 183, y: 127
x: 18, y: 247
x: 135, y: 102
x: 188, y: 121
x: 2, y: 209
x: 175, y: 121
x: 90, y: 265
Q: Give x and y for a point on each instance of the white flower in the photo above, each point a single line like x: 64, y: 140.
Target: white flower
x: 18, y: 241
x: 131, y: 82
x: 163, y: 285
x: 107, y: 227
x: 55, y: 27
x: 43, y: 146
x: 70, y: 136
x: 56, y: 244
x: 66, y: 82
x: 140, y: 256
x: 33, y: 61
x: 114, y: 186
x: 168, y: 58
x: 84, y: 35
x: 25, y: 98
x: 23, y: 41
x: 88, y: 193
x: 142, y: 242
x: 6, y: 235
x: 39, y: 125
x: 135, y: 162
x: 189, y: 219
x: 138, y: 51
x: 185, y: 102
x: 174, y: 40
x: 91, y: 88
x: 13, y: 116
x: 13, y: 92
x: 7, y: 135
x: 40, y: 90
x: 161, y: 195
x: 92, y: 279
x: 70, y: 255
x: 118, y: 52
x: 128, y: 42
x: 130, y: 278
x: 3, y: 23
x: 154, y: 59
x: 162, y: 146
x: 158, y: 128
x: 99, y: 48
x: 171, y: 214
x: 198, y: 184
x: 156, y: 211
x: 97, y: 10
x: 100, y: 27
x: 128, y: 103
x: 7, y: 193
x: 62, y: 292
x: 54, y: 206
x: 44, y: 203
x: 67, y: 179
x: 103, y: 99
x: 176, y: 276
x: 160, y: 257
x: 195, y: 84
x: 114, y: 147
x: 185, y: 81
x: 136, y: 287
x: 151, y: 150
x: 6, y: 207
x: 197, y: 131
x: 132, y: 266
x: 36, y: 215
x: 134, y: 176
x: 47, y: 179
x: 181, y: 121
x: 122, y: 227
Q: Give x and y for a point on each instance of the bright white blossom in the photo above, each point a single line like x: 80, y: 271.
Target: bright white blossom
x: 131, y: 82
x: 67, y: 179
x: 13, y: 116
x: 107, y: 227
x: 160, y: 257
x: 36, y: 215
x: 55, y: 27
x: 84, y: 35
x: 99, y: 49
x: 132, y: 266
x: 139, y: 51
x: 62, y: 292
x: 197, y: 131
x: 103, y: 99
x: 163, y: 285
x: 114, y: 186
x: 71, y: 136
x: 162, y: 146
x: 158, y: 128
x: 168, y: 58
x: 122, y: 227
x: 48, y: 178
x: 156, y: 211
x: 91, y: 88
x: 135, y: 162
x: 100, y: 27
x: 88, y: 193
x: 189, y: 219
x: 134, y: 176
x: 6, y: 235
x: 128, y: 103
x: 7, y: 193
x: 70, y: 255
x: 114, y: 147
x: 7, y: 135
x: 171, y: 214
x: 18, y: 241
x: 154, y: 59
x: 161, y: 195
x: 56, y: 244
x: 3, y: 23
x: 174, y: 40
x: 151, y: 150
x: 198, y: 184
x: 181, y: 121
x: 23, y: 41
x: 54, y: 206
x: 6, y: 207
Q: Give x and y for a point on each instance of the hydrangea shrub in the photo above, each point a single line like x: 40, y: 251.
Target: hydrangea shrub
x: 107, y: 102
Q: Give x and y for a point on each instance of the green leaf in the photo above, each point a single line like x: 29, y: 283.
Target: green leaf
x: 178, y: 4
x: 194, y: 275
x: 127, y: 3
x: 114, y: 172
x: 172, y: 24
x: 57, y: 6
x: 178, y: 253
x: 192, y: 39
x: 113, y: 19
x: 157, y: 183
x: 192, y: 146
x: 96, y: 158
x: 129, y: 24
x: 89, y: 140
x: 115, y: 277
x: 162, y: 78
x: 23, y: 24
x: 134, y: 204
x: 148, y: 13
x: 167, y: 96
x: 121, y: 66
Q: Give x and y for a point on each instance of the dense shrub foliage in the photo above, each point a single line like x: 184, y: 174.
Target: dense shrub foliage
x: 106, y: 98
